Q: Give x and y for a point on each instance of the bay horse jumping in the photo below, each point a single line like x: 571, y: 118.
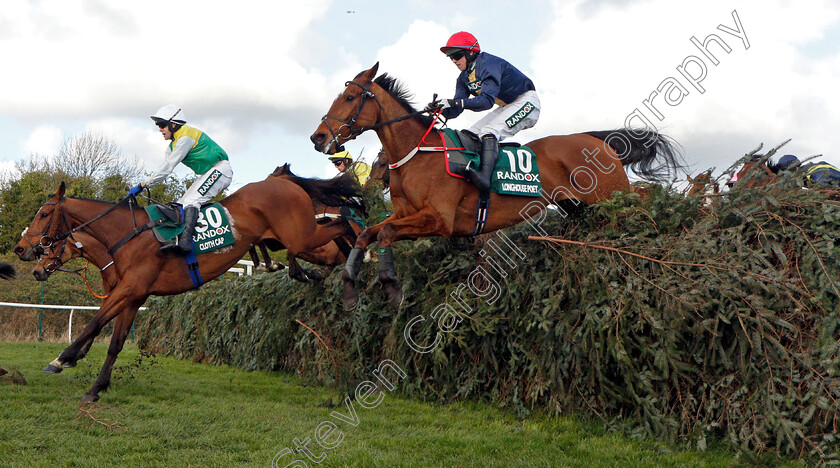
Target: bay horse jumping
x: 330, y: 254
x: 274, y: 209
x: 584, y: 167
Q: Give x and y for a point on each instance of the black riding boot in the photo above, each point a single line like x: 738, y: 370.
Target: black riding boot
x: 185, y: 238
x: 489, y: 154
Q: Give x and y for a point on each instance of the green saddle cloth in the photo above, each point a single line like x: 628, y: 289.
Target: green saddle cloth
x: 515, y: 173
x: 168, y: 230
x: 212, y: 231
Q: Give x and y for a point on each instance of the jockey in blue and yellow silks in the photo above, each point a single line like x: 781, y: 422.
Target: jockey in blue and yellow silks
x: 486, y: 80
x: 199, y: 152
x: 821, y: 172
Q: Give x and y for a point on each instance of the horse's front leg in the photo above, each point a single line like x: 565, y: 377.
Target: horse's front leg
x: 121, y: 328
x: 81, y: 345
x: 350, y: 295
x: 255, y: 259
x: 295, y: 270
x: 424, y: 223
x: 78, y: 349
x: 270, y: 264
x: 387, y: 270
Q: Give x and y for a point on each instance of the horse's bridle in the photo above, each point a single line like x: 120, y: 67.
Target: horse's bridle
x: 366, y: 93
x: 46, y: 242
x: 353, y: 132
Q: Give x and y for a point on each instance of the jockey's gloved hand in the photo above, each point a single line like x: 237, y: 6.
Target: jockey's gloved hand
x: 447, y: 103
x: 440, y: 104
x: 432, y: 105
x: 133, y: 191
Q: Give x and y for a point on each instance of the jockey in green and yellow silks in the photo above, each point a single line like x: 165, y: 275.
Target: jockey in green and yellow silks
x: 199, y: 152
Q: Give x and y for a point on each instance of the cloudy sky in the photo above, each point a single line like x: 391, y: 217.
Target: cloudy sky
x: 258, y: 75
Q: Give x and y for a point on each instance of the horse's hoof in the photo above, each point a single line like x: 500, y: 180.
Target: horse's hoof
x: 315, y: 275
x: 88, y: 399
x: 395, y: 296
x: 350, y: 300
x: 67, y: 365
x: 51, y: 369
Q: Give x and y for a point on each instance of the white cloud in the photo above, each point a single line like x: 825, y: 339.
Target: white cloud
x: 45, y: 140
x: 87, y: 58
x: 8, y: 171
x: 596, y: 64
x: 257, y: 77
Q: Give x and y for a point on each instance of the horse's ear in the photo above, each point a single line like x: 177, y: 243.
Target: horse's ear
x: 60, y: 192
x: 371, y: 74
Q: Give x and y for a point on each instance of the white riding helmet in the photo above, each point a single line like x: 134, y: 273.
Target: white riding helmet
x: 170, y: 113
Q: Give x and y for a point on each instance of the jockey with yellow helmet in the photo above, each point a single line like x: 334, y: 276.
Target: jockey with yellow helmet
x: 486, y: 80
x: 199, y: 152
x: 343, y: 162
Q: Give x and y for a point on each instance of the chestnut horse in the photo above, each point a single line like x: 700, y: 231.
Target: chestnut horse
x: 757, y: 171
x: 274, y: 209
x: 703, y: 185
x: 428, y: 202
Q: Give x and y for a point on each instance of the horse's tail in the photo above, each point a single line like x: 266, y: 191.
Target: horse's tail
x: 343, y: 190
x: 649, y: 154
x: 6, y: 271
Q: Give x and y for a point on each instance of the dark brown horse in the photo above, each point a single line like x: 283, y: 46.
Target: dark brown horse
x: 274, y: 209
x: 584, y: 167
x: 379, y: 170
x: 6, y: 271
x: 81, y: 244
x: 330, y: 254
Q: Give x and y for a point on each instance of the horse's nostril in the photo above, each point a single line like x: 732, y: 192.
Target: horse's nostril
x: 18, y: 250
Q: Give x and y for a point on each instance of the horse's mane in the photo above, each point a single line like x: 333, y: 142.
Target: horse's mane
x: 342, y: 190
x: 774, y: 166
x: 397, y: 91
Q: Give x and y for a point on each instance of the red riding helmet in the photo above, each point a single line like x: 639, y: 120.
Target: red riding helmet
x: 461, y: 41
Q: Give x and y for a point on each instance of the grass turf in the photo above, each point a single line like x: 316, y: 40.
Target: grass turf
x: 165, y: 412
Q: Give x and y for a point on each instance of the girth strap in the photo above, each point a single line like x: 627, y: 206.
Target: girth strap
x: 192, y: 267
x: 481, y: 213
x: 134, y: 233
